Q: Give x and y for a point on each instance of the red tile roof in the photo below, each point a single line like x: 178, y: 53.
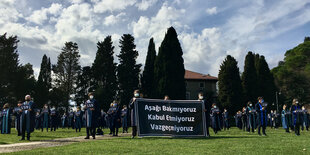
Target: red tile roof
x: 190, y: 75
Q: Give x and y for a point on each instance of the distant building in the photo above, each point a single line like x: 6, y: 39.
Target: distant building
x: 197, y: 82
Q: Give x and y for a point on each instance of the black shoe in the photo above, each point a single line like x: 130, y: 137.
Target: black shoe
x: 86, y: 137
x: 264, y: 134
x: 94, y: 137
x: 28, y: 139
x: 132, y: 137
x: 259, y: 134
x: 22, y: 139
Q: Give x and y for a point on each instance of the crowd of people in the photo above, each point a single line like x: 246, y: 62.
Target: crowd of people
x: 28, y: 117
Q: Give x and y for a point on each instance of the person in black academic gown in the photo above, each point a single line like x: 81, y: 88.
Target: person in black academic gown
x: 297, y: 114
x: 260, y: 108
x: 207, y: 112
x: 6, y: 119
x: 17, y: 114
x: 53, y: 118
x: 133, y: 114
x: 251, y: 113
x: 45, y: 117
x: 244, y: 119
x: 115, y: 113
x: 215, y: 115
x: 124, y: 119
x: 91, y: 116
x: 38, y: 121
x: 305, y: 117
x: 78, y: 115
x: 226, y: 119
x: 27, y: 117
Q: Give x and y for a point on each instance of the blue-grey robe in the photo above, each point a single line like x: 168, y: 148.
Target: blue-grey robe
x: 27, y: 117
x: 91, y: 117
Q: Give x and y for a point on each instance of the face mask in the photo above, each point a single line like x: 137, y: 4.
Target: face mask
x: 136, y: 94
x: 215, y: 106
x: 200, y: 97
x: 250, y: 105
x: 296, y: 102
x: 91, y: 97
x: 45, y: 107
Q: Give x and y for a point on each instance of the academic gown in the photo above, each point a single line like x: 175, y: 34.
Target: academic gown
x: 132, y: 113
x: 215, y: 112
x: 78, y: 119
x: 251, y: 120
x: 261, y: 115
x: 225, y: 119
x: 124, y: 117
x: 27, y: 117
x: 284, y: 119
x: 296, y: 115
x: 305, y: 118
x: 115, y: 117
x: 45, y: 118
x: 6, y: 121
x: 17, y: 113
x: 91, y: 116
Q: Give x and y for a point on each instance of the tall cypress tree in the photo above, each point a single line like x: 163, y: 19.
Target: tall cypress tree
x: 147, y: 78
x: 249, y: 78
x: 169, y: 68
x: 66, y: 70
x: 104, y: 70
x: 85, y: 84
x: 266, y: 85
x: 230, y: 88
x: 44, y: 82
x: 127, y: 70
x: 8, y: 65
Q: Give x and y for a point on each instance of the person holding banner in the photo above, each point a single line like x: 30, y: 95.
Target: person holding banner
x: 215, y: 115
x: 261, y: 115
x: 206, y: 110
x: 296, y: 111
x: 6, y: 119
x: 133, y: 114
x: 91, y: 108
x: 166, y: 98
x: 250, y: 111
x: 284, y: 119
x: 27, y: 118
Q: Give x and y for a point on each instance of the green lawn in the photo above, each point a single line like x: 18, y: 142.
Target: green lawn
x: 38, y: 135
x: 226, y: 142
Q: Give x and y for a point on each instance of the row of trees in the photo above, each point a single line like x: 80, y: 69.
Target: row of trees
x: 236, y: 89
x: 65, y: 81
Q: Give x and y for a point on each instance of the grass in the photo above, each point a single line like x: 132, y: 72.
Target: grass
x: 229, y: 142
x: 37, y: 135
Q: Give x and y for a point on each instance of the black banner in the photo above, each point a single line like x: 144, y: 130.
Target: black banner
x: 183, y: 118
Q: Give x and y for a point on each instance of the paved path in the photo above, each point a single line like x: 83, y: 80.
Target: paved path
x: 50, y: 143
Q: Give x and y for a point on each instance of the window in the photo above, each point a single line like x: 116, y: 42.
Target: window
x: 201, y: 85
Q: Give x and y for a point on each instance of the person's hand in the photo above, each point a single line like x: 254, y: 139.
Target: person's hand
x: 134, y: 99
x: 205, y: 110
x: 20, y: 110
x: 92, y: 109
x: 250, y: 111
x: 29, y: 109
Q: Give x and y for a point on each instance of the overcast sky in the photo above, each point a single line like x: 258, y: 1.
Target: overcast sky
x: 207, y: 29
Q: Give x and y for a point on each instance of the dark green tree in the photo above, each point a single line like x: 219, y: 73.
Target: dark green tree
x: 266, y: 86
x: 25, y: 83
x: 9, y: 66
x: 44, y: 83
x: 249, y: 78
x: 230, y: 89
x: 66, y: 70
x: 104, y: 70
x: 128, y: 70
x: 85, y: 84
x: 147, y: 78
x: 169, y: 68
x: 292, y: 75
